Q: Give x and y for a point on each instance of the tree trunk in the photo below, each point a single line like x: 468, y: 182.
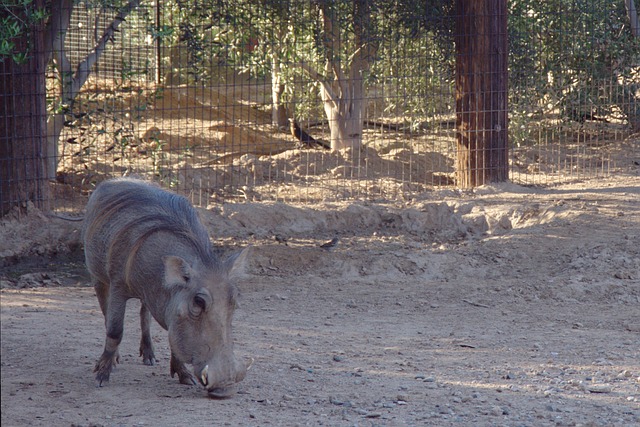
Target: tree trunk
x: 55, y: 36
x: 343, y: 96
x: 633, y: 17
x: 23, y: 175
x: 344, y: 113
x: 278, y: 110
x: 71, y: 82
x: 481, y: 92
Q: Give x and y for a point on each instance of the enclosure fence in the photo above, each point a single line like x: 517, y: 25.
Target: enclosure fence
x: 307, y: 101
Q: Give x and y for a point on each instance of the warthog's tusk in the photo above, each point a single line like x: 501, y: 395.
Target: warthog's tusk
x: 203, y: 375
x: 249, y: 363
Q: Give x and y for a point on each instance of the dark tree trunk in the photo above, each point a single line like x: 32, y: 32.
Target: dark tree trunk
x: 481, y: 91
x: 23, y: 123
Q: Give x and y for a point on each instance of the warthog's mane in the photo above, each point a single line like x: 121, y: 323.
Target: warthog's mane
x: 144, y: 210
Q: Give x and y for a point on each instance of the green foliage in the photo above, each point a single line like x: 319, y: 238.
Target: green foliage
x: 416, y: 75
x: 571, y: 58
x: 19, y: 17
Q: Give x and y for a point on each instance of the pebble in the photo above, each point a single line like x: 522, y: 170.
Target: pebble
x: 625, y: 374
x: 632, y: 327
x: 339, y: 402
x: 599, y: 388
x: 496, y: 410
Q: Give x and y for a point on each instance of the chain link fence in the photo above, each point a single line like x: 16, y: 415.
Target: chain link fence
x: 250, y: 100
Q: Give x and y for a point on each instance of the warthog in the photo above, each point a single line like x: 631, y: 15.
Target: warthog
x: 144, y: 242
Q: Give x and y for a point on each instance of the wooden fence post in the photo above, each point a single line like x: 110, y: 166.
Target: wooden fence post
x: 481, y: 92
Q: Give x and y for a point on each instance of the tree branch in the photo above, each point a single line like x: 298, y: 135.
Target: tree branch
x: 84, y: 68
x: 319, y: 78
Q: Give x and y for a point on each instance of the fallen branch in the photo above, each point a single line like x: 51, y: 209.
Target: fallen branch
x: 475, y: 304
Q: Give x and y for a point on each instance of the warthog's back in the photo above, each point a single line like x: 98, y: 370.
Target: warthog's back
x: 123, y: 214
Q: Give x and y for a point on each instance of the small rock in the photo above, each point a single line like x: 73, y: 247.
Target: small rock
x: 624, y: 374
x: 623, y: 275
x: 496, y: 411
x: 632, y: 327
x: 336, y: 401
x: 599, y: 388
x: 337, y: 358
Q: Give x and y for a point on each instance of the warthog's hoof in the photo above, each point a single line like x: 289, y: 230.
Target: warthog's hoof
x: 104, y: 366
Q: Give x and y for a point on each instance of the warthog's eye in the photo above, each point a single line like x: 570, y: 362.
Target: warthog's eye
x: 200, y: 302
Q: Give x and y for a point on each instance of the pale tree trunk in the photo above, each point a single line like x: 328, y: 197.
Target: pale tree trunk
x: 344, y: 110
x: 278, y: 110
x: 71, y: 82
x: 56, y: 34
x: 342, y: 91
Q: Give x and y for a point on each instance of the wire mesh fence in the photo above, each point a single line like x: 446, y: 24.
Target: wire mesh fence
x: 298, y: 100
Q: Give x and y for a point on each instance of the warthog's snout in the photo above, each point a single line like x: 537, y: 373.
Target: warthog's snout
x: 224, y: 387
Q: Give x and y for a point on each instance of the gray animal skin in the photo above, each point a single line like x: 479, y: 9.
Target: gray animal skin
x: 143, y: 242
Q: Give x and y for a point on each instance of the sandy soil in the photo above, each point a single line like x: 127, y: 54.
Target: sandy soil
x: 504, y: 306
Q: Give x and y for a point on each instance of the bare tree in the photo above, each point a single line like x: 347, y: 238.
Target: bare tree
x: 342, y: 83
x: 70, y: 80
x: 28, y: 147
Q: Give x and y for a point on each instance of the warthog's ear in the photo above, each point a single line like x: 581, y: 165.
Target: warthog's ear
x: 176, y: 270
x: 236, y: 263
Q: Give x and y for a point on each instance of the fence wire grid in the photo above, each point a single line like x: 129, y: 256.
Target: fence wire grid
x: 245, y: 100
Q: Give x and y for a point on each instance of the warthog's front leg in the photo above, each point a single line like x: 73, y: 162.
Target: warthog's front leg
x: 114, y: 322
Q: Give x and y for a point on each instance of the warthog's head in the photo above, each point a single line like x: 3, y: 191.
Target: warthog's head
x: 199, y: 320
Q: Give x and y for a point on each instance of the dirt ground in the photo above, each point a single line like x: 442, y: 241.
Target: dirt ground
x: 507, y: 305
